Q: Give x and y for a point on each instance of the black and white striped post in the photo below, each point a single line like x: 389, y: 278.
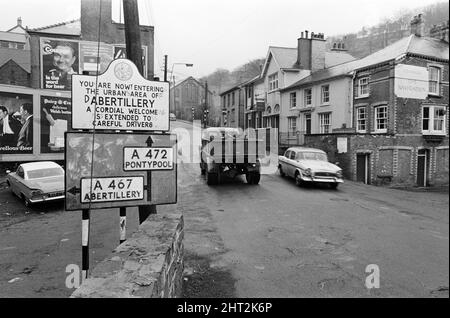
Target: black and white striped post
x: 123, y: 224
x: 85, y: 220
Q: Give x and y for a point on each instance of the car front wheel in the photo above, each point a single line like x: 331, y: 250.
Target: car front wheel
x: 26, y: 201
x: 298, y: 181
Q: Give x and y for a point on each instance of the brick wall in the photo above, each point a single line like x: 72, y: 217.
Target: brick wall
x: 147, y: 265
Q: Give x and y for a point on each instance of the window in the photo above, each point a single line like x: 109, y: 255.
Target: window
x: 233, y: 100
x: 293, y: 99
x: 292, y: 124
x: 308, y: 97
x: 324, y: 123
x: 433, y: 120
x: 381, y: 119
x: 287, y: 154
x: 325, y: 94
x: 308, y: 124
x: 363, y: 87
x: 361, y: 119
x: 273, y: 82
x: 434, y: 76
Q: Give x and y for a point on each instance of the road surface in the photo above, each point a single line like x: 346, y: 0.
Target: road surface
x: 270, y: 240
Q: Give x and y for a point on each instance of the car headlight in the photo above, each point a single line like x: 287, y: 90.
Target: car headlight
x: 339, y: 174
x: 35, y: 193
x: 307, y: 172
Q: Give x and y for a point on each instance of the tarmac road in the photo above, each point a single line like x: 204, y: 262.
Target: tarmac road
x: 270, y: 240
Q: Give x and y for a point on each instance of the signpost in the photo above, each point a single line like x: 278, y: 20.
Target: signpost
x: 108, y: 168
x: 129, y: 170
x: 120, y: 99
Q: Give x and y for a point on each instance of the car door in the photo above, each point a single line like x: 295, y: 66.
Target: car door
x: 292, y: 163
x: 285, y: 162
x: 16, y: 180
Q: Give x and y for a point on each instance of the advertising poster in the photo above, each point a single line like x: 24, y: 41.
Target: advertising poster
x: 60, y: 60
x: 90, y: 59
x: 56, y: 113
x: 16, y: 123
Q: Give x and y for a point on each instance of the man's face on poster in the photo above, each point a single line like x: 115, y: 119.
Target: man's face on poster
x: 23, y: 113
x: 63, y: 58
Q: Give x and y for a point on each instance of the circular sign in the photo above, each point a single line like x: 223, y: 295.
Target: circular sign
x: 123, y: 71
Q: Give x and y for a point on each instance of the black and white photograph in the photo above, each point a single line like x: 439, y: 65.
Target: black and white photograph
x: 233, y: 156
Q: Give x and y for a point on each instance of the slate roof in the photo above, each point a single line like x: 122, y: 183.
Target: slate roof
x: 72, y: 27
x: 21, y: 57
x: 424, y: 46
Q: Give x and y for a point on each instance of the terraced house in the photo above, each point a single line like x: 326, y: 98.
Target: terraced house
x: 386, y: 119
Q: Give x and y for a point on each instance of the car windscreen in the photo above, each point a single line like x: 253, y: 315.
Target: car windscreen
x: 45, y: 173
x: 311, y: 156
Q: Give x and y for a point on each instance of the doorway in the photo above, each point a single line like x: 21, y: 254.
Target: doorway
x: 423, y: 167
x: 363, y: 168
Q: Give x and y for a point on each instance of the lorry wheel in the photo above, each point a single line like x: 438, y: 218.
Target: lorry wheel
x: 211, y: 178
x: 253, y: 178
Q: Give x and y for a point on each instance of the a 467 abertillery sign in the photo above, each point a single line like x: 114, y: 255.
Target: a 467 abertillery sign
x: 128, y: 170
x: 120, y: 99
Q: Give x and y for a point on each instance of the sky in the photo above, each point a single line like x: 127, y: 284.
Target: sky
x: 215, y: 34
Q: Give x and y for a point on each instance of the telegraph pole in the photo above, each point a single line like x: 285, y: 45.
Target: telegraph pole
x: 134, y: 53
x: 165, y: 68
x: 205, y: 111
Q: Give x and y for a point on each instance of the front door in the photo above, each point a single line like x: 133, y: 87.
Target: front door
x: 308, y: 123
x: 362, y: 168
x: 423, y: 167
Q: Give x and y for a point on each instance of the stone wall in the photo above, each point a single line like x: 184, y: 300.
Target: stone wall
x: 147, y: 265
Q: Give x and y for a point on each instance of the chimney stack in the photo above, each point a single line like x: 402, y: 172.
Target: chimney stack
x: 440, y: 32
x: 418, y: 25
x: 311, y: 51
x: 19, y: 21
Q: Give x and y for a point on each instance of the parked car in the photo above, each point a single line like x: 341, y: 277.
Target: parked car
x: 37, y: 182
x: 172, y: 116
x: 309, y: 165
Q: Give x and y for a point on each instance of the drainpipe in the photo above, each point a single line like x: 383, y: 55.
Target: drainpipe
x: 352, y: 90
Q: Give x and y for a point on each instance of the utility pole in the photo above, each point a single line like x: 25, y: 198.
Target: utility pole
x: 165, y: 68
x: 205, y: 111
x: 134, y: 53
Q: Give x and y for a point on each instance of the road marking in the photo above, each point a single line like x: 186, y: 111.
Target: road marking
x: 8, y: 248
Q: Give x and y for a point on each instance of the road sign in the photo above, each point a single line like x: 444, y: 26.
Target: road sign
x: 112, y: 189
x: 120, y: 99
x: 146, y: 180
x: 147, y: 158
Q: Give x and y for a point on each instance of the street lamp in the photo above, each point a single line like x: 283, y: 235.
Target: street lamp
x: 173, y: 81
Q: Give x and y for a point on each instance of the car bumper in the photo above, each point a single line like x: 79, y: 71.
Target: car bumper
x: 323, y: 179
x: 46, y: 198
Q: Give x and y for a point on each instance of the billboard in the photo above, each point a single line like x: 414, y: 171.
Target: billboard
x: 16, y: 123
x: 60, y: 60
x: 411, y: 81
x: 56, y: 114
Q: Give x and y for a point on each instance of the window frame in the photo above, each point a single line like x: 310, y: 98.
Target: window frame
x: 273, y: 82
x: 324, y: 128
x: 432, y: 120
x: 293, y: 127
x: 437, y: 81
x: 360, y: 86
x: 307, y: 96
x: 375, y: 118
x: 322, y: 95
x: 293, y: 99
x: 358, y: 119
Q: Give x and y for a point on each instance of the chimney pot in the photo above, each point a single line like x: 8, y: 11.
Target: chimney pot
x: 19, y: 21
x: 301, y: 36
x: 306, y: 33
